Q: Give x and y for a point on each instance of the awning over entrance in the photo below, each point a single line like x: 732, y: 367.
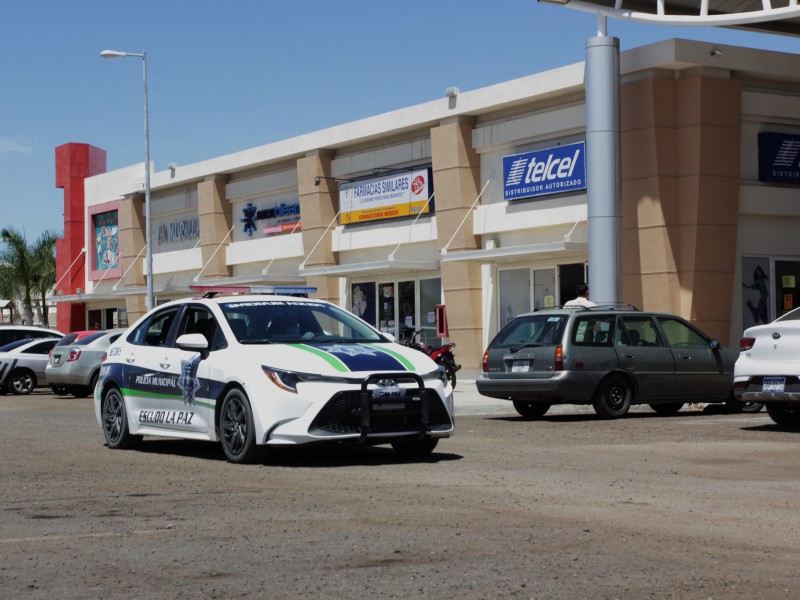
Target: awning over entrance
x: 513, y: 253
x: 375, y: 267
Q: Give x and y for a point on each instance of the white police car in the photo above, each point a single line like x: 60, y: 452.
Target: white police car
x: 268, y: 368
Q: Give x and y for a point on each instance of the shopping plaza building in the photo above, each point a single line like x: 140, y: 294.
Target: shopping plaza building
x: 454, y: 215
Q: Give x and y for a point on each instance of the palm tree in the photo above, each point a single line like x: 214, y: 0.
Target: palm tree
x: 26, y: 271
x: 44, y: 271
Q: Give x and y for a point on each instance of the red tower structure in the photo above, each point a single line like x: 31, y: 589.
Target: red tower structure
x: 74, y: 163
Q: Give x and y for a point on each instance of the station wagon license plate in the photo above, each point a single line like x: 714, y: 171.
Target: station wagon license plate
x: 520, y: 366
x: 773, y: 384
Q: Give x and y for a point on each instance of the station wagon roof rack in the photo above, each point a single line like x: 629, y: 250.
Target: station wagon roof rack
x: 607, y: 306
x: 209, y: 291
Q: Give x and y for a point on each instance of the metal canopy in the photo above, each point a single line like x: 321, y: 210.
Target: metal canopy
x: 767, y: 16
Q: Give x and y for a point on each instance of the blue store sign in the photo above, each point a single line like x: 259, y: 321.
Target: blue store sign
x: 551, y: 171
x: 778, y: 155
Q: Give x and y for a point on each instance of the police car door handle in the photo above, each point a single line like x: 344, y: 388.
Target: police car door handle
x: 130, y: 359
x: 629, y: 356
x: 164, y: 365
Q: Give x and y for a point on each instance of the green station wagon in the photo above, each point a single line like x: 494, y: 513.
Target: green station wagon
x: 609, y: 357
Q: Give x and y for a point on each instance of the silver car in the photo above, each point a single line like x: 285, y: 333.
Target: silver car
x: 609, y: 357
x: 22, y: 365
x: 73, y: 368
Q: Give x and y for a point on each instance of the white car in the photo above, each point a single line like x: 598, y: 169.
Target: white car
x: 261, y: 370
x: 22, y: 365
x: 768, y: 368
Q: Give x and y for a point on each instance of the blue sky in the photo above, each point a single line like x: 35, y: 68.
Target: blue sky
x: 227, y: 75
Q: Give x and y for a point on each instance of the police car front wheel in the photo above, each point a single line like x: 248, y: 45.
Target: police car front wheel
x: 237, y: 433
x: 115, y: 422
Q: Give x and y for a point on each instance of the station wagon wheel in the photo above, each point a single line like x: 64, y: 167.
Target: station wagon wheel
x: 21, y: 382
x: 667, y: 408
x: 115, y: 422
x: 530, y: 409
x: 237, y: 433
x: 786, y: 414
x: 613, y: 397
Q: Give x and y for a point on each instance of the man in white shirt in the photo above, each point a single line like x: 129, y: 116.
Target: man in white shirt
x: 583, y: 297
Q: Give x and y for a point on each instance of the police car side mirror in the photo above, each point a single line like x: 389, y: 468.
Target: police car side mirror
x: 196, y: 342
x: 390, y: 336
x: 714, y: 345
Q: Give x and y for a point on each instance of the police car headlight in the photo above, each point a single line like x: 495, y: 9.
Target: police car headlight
x: 288, y: 380
x: 439, y: 374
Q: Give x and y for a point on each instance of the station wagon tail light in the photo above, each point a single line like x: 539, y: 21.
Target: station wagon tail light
x: 559, y: 360
x: 74, y: 354
x: 104, y: 357
x: 485, y: 364
x: 746, y: 343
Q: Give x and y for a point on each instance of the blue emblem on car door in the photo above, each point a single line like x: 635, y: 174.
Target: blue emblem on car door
x: 188, y: 381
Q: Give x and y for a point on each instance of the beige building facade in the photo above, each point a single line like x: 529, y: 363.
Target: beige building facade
x: 444, y: 242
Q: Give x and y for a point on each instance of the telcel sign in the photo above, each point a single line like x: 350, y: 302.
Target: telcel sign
x: 551, y: 171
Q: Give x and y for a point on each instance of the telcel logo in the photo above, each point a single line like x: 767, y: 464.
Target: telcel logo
x: 549, y: 171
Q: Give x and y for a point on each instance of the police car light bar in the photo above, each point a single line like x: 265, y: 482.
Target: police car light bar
x: 276, y: 290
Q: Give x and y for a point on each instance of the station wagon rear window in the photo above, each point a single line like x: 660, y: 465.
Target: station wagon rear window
x: 532, y: 330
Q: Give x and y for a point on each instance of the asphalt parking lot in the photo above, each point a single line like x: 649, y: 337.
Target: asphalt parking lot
x: 698, y: 505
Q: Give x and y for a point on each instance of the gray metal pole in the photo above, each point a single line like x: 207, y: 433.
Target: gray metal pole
x: 148, y: 238
x: 603, y: 168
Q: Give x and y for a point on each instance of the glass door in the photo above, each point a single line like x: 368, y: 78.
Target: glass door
x: 430, y: 294
x: 406, y: 309
x: 787, y: 285
x: 386, y: 312
x: 544, y: 288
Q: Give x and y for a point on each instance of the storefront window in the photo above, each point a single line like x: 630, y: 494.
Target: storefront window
x: 399, y: 307
x: 755, y: 292
x: 515, y: 294
x: 363, y: 303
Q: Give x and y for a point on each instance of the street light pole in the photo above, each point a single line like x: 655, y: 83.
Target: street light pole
x: 148, y: 239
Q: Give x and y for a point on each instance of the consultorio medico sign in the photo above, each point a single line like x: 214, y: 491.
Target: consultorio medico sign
x: 397, y: 195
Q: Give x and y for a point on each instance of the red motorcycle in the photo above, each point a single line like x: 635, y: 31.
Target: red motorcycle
x: 442, y: 355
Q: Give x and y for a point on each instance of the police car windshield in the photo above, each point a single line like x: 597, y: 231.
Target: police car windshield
x: 291, y: 322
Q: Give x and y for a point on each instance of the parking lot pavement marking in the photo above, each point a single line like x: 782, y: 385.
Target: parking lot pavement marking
x: 106, y: 534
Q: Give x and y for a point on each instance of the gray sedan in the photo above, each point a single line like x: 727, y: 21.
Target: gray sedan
x: 73, y: 368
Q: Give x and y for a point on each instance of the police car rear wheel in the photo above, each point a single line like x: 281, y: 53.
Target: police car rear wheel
x: 237, y: 432
x: 21, y: 382
x: 115, y: 422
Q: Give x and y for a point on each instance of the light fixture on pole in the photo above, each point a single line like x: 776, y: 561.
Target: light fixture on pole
x: 148, y: 245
